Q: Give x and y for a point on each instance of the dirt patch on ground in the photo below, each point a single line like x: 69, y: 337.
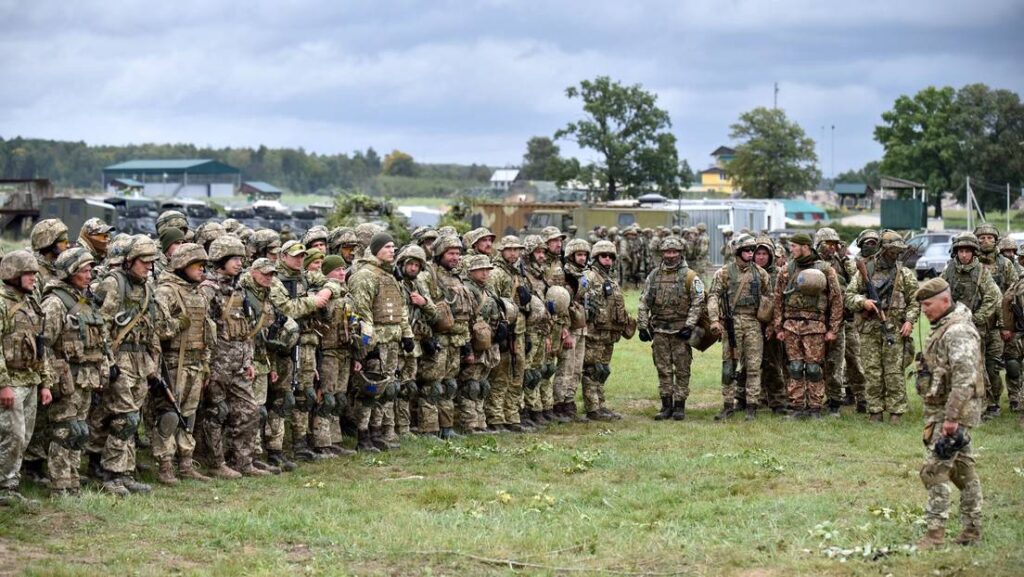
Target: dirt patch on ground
x: 19, y: 556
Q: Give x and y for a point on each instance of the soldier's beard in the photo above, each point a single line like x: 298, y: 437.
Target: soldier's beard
x: 672, y: 261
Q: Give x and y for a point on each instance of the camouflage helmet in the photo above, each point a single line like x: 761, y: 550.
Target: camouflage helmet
x: 318, y: 233
x: 532, y: 242
x: 603, y: 247
x: 224, y: 248
x: 866, y: 235
x: 613, y: 231
x: 966, y: 240
x: 412, y: 251
x: 986, y: 228
x: 171, y: 218
x: 476, y: 235
x: 892, y: 239
x: 630, y: 230
x: 701, y: 227
x: 478, y: 262
x: 510, y: 241
x: 671, y: 243
x: 365, y: 231
x: 340, y: 237
x: 445, y: 243
x: 576, y: 245
x: 17, y: 263
x: 766, y: 242
x: 559, y: 297
x: 265, y: 240
x: 118, y: 249
x: 677, y: 230
x: 142, y: 247
x: 231, y: 225
x: 1020, y: 250
x: 70, y: 261
x: 187, y: 254
x: 447, y: 230
x: 244, y: 233
x: 208, y: 232
x: 423, y: 234
x: 825, y: 234
x: 743, y: 242
x: 1006, y: 243
x: 47, y: 232
x: 551, y: 233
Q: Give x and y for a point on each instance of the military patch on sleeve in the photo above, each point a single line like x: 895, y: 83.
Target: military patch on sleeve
x: 698, y: 286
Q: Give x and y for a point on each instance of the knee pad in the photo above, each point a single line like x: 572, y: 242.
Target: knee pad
x: 469, y: 390
x: 390, y: 392
x: 485, y: 389
x: 167, y: 423
x: 451, y: 388
x: 592, y: 371
x: 606, y: 371
x: 408, y: 390
x: 340, y: 403
x: 548, y: 370
x: 728, y: 371
x: 796, y: 369
x: 327, y: 406
x: 125, y: 425
x: 66, y: 435
x: 1013, y: 369
x: 530, y: 379
x: 813, y: 372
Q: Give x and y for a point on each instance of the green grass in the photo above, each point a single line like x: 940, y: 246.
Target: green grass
x: 772, y: 497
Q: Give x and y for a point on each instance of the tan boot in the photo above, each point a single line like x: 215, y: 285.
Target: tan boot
x: 894, y: 419
x: 165, y: 476
x: 252, y: 471
x: 969, y: 536
x: 933, y: 539
x: 187, y: 470
x: 225, y: 472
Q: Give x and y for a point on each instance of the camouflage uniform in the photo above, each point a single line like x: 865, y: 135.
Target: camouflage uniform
x: 474, y: 386
x: 805, y: 319
x: 739, y: 287
x: 1004, y: 273
x: 884, y: 362
x: 951, y: 384
x: 835, y: 360
x: 508, y: 282
x: 539, y: 328
x: 773, y: 384
x: 76, y: 339
x: 672, y: 301
x: 1012, y: 349
x: 607, y: 322
x: 703, y: 248
x: 570, y: 363
x: 186, y: 335
x: 408, y: 406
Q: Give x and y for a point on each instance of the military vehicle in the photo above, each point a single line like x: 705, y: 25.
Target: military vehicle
x: 137, y: 215
x: 75, y: 211
x: 20, y: 201
x: 196, y: 211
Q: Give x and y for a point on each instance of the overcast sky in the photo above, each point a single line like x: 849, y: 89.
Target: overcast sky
x: 464, y: 81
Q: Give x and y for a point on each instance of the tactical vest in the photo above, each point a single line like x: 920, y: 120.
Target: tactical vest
x: 668, y: 296
x: 888, y: 284
x: 237, y: 318
x: 964, y: 286
x: 132, y: 306
x: 388, y: 303
x: 418, y: 324
x: 81, y: 342
x: 457, y: 296
x: 796, y: 302
x: 553, y: 273
x: 23, y: 347
x: 195, y: 308
x: 743, y: 295
x: 610, y: 308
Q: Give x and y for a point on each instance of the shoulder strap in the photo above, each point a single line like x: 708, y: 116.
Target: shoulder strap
x: 131, y: 324
x: 69, y: 302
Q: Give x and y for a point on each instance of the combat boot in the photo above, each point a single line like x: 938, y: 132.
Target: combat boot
x: 114, y: 486
x: 448, y: 434
x: 95, y: 469
x: 894, y: 418
x: 556, y: 416
x: 727, y: 411
x: 598, y: 416
x: 991, y: 412
x: 539, y: 418
x: 933, y: 539
x: 969, y: 536
x: 377, y: 439
x: 341, y: 450
x: 833, y: 409
x: 679, y: 411
x: 849, y: 400
x: 266, y: 467
x: 1014, y: 406
x: 187, y: 470
x: 525, y: 420
x: 134, y: 486
x: 610, y: 413
x: 251, y: 471
x: 225, y: 472
x: 302, y: 451
x: 165, y: 476
x: 741, y: 404
x: 815, y: 413
x: 364, y: 444
x: 33, y: 471
x: 574, y: 414
x: 862, y: 407
x: 515, y: 428
x: 12, y: 496
x: 64, y: 493
x: 875, y: 418
x: 278, y: 459
x: 666, y: 409
x: 324, y: 453
x: 751, y: 412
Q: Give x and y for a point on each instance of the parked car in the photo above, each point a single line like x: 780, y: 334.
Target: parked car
x: 933, y: 261
x: 918, y: 244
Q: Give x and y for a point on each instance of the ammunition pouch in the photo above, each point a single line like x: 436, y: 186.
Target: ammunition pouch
x: 813, y: 372
x: 124, y: 425
x: 796, y: 370
x: 1013, y: 368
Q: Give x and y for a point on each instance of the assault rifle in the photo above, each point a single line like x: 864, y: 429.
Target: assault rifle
x: 159, y: 385
x: 872, y: 290
x: 730, y: 324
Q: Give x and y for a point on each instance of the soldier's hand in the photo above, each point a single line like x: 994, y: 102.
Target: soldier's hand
x: 949, y: 428
x: 1006, y: 335
x: 906, y: 329
x: 417, y: 299
x: 870, y: 306
x: 250, y: 373
x: 45, y: 396
x: 323, y: 297
x: 830, y: 336
x: 716, y: 328
x: 6, y: 397
x: 274, y: 376
x: 781, y: 335
x: 357, y: 366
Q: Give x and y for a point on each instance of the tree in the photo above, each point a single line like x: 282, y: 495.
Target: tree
x: 775, y: 157
x: 686, y: 175
x: 870, y: 175
x: 623, y: 124
x: 398, y: 163
x: 542, y: 160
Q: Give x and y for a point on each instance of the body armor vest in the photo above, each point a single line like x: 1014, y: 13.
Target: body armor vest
x: 81, y: 342
x: 194, y: 337
x: 236, y: 318
x: 23, y: 347
x: 886, y: 281
x: 964, y: 285
x: 804, y: 306
x: 668, y: 297
x: 554, y: 275
x: 457, y: 296
x: 134, y: 303
x: 387, y: 305
x: 744, y: 295
x: 610, y: 307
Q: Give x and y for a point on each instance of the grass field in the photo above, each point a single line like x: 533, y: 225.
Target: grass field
x: 634, y: 497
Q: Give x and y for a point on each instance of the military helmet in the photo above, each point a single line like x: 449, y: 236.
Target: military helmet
x: 1020, y: 250
x: 365, y: 231
x: 47, y: 232
x: 671, y: 243
x: 576, y: 245
x: 118, y: 249
x: 412, y: 251
x: 551, y: 233
x: 966, y: 240
x: 169, y: 218
x: 630, y: 230
x: 447, y: 230
x: 892, y: 239
x: 265, y: 241
x: 231, y: 225
x: 244, y: 233
x: 560, y: 297
x: 701, y: 227
x: 342, y: 237
x: 208, y: 232
x: 866, y: 235
x: 613, y: 231
x: 476, y: 235
x: 510, y: 241
x: 743, y: 242
x: 71, y: 260
x: 811, y: 282
x: 766, y: 242
x: 677, y: 230
x: 1006, y: 243
x: 986, y: 228
x: 17, y: 263
x: 187, y: 254
x: 315, y: 234
x: 603, y: 247
x: 445, y: 243
x: 142, y: 247
x: 224, y: 248
x: 825, y: 234
x: 424, y: 233
x: 533, y: 242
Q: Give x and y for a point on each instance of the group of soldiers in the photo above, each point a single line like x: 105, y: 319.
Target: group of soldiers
x: 639, y: 249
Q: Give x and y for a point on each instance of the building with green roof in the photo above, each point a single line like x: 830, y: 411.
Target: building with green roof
x: 176, y: 178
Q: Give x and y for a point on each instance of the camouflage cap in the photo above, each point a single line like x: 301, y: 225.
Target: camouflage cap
x: 264, y: 265
x: 47, y: 232
x: 293, y: 248
x: 70, y: 261
x: 477, y: 262
x: 510, y: 241
x: 95, y: 226
x: 476, y: 235
x: 551, y: 233
x: 17, y: 263
x: 931, y: 288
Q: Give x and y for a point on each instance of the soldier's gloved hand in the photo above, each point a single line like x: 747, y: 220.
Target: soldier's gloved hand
x: 408, y: 345
x: 501, y: 332
x: 645, y: 336
x: 429, y: 347
x: 310, y: 394
x: 184, y: 322
x: 223, y: 411
x: 288, y: 401
x: 115, y: 372
x: 551, y: 307
x: 685, y: 333
x: 524, y: 295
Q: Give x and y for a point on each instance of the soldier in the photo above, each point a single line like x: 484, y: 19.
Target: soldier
x: 539, y: 327
x: 508, y: 281
x: 570, y: 363
x: 1012, y: 351
x: 1004, y: 273
x: 808, y: 311
x: 313, y: 260
x: 553, y: 274
x: 172, y: 219
x: 409, y: 263
x: 829, y: 246
x: 425, y: 236
x: 186, y: 335
x: 95, y: 235
x: 170, y: 239
x: 208, y: 232
x: 703, y: 247
x: 489, y: 327
x: 266, y: 244
x: 607, y: 322
x: 885, y: 326
x: 316, y: 238
x: 377, y: 300
x: 972, y: 283
x: 76, y: 338
x: 229, y: 435
x: 625, y: 245
x: 773, y: 385
x: 671, y: 305
x: 951, y: 383
x: 735, y: 295
x: 24, y: 372
x: 726, y: 242
x: 130, y: 311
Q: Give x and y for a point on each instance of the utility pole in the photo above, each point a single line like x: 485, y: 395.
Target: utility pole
x: 832, y: 169
x: 1007, y: 208
x: 775, y: 100
x: 970, y: 211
